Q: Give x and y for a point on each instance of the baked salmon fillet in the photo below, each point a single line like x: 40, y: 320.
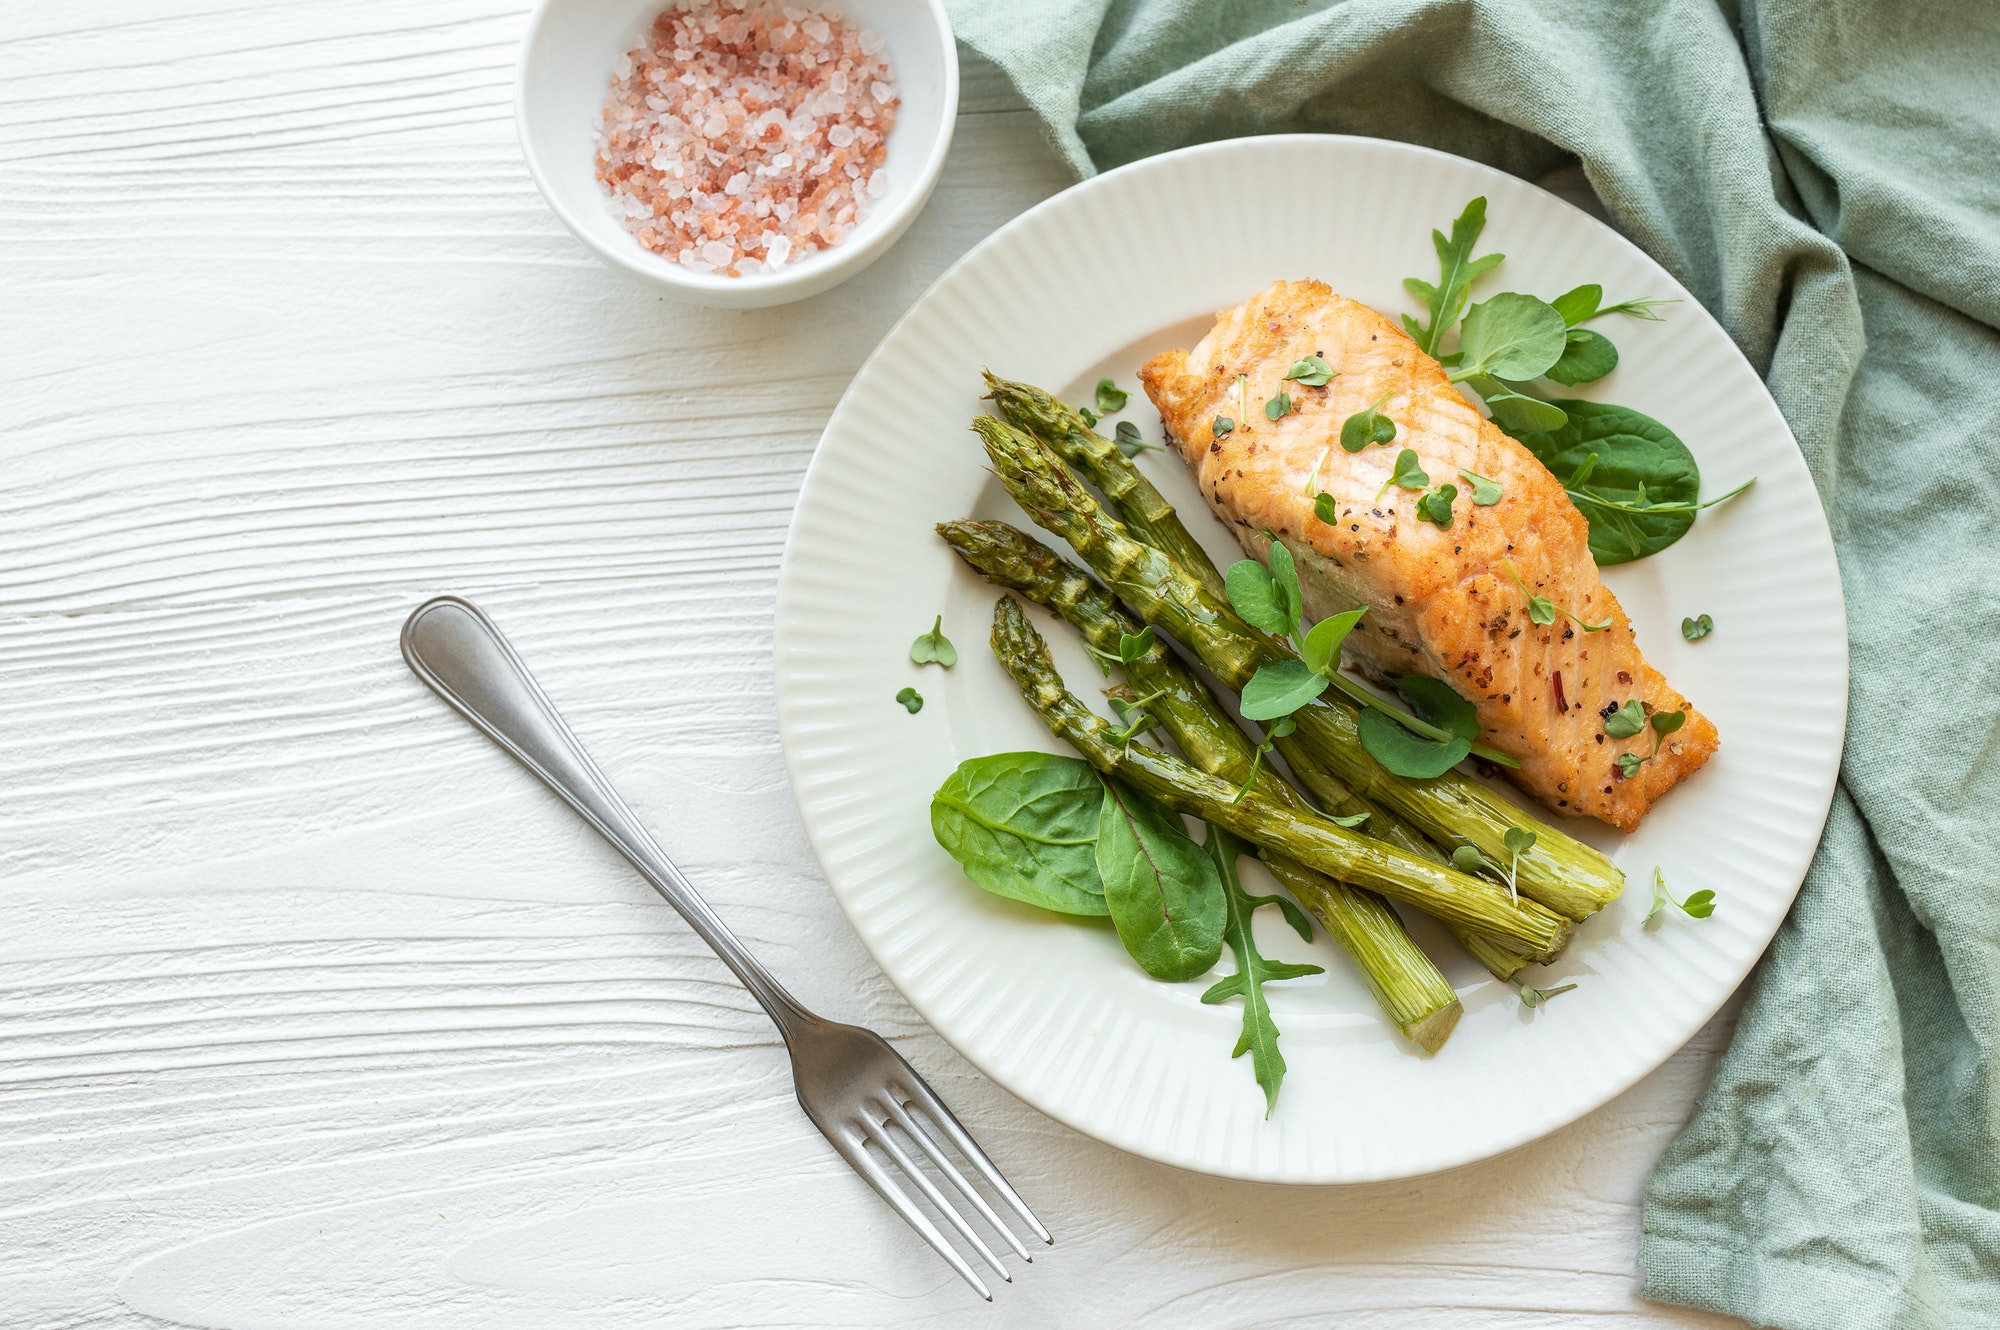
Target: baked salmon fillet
x: 1440, y: 601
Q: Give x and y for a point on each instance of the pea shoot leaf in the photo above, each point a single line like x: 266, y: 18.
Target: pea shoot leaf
x: 1405, y: 752
x: 1698, y: 906
x: 1260, y: 1032
x: 1282, y: 687
x: 1587, y: 356
x: 1512, y: 336
x: 934, y: 648
x: 1321, y: 648
x: 1578, y: 303
x: 1110, y: 397
x: 1456, y: 270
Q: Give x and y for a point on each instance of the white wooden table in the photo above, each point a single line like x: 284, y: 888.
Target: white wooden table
x: 315, y: 1011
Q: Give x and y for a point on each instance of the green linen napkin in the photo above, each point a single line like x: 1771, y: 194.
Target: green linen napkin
x: 1825, y: 176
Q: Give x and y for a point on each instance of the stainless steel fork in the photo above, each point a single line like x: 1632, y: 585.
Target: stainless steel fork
x: 850, y: 1082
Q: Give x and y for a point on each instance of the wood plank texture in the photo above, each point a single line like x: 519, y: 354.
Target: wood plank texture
x: 314, y: 1013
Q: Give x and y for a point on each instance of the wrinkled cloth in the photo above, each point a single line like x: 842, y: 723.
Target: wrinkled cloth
x: 1825, y: 176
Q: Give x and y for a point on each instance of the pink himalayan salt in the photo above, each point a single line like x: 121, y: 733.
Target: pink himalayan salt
x: 744, y: 135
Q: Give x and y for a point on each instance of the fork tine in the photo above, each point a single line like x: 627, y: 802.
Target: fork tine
x: 881, y: 1136
x: 857, y: 1156
x: 933, y: 1107
x: 935, y: 1153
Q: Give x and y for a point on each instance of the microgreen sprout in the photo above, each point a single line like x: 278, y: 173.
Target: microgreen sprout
x: 1698, y: 906
x: 1435, y: 507
x: 1131, y: 442
x: 1627, y: 720
x: 934, y: 648
x: 1277, y: 730
x: 1313, y: 371
x: 1409, y: 473
x: 1697, y: 628
x: 1222, y: 426
x: 1544, y: 611
x: 1110, y: 397
x: 1535, y: 997
x: 912, y: 700
x: 1277, y: 408
x: 1663, y: 723
x: 1485, y: 493
x: 1367, y: 426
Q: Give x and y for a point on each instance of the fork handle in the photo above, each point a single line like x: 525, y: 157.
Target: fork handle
x: 452, y: 646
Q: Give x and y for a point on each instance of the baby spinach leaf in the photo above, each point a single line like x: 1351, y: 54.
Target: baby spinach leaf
x: 1456, y: 270
x: 934, y: 647
x: 1697, y: 628
x: 1110, y: 397
x: 1409, y: 473
x: 1485, y: 493
x: 912, y: 700
x: 1260, y: 1032
x: 1627, y: 720
x: 1512, y: 336
x: 1321, y: 648
x: 1164, y: 894
x: 1578, y: 303
x: 1631, y: 477
x: 1367, y: 426
x: 1313, y: 371
x: 1586, y: 357
x: 1280, y: 688
x: 1407, y: 753
x: 1024, y: 825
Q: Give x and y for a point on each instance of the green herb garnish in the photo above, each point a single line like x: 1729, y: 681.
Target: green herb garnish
x: 1110, y: 397
x: 1485, y: 493
x: 912, y: 700
x: 1663, y: 723
x: 1313, y: 371
x: 1435, y: 507
x: 1364, y: 427
x: 1697, y: 628
x: 933, y: 648
x: 1698, y: 906
x: 1535, y: 997
x: 1260, y: 1033
x: 1456, y: 270
x: 1024, y: 826
x: 1409, y: 473
x: 1164, y: 894
x: 1544, y: 611
x: 1130, y: 441
x: 1222, y: 426
x: 1277, y: 408
x: 1627, y: 720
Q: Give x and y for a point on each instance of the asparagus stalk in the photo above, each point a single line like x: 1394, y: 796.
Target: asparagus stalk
x: 1257, y: 816
x: 1191, y: 715
x: 1145, y: 510
x: 1406, y: 982
x: 1559, y: 871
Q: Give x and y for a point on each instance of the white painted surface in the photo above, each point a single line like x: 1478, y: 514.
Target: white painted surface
x: 314, y: 1012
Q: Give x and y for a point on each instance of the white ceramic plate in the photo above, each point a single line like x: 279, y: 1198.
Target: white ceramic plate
x: 1095, y: 281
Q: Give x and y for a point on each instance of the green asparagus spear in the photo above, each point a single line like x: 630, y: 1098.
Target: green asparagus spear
x: 1196, y: 722
x: 1258, y: 817
x: 1411, y: 990
x: 1559, y: 871
x: 1106, y: 466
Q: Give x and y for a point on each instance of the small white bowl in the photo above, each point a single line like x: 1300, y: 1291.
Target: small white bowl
x: 559, y: 96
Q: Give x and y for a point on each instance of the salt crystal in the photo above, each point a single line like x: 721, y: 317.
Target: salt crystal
x: 840, y: 136
x: 717, y: 253
x: 778, y: 251
x: 737, y: 183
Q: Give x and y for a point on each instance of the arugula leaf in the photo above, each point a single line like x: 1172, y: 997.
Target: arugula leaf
x: 1277, y: 408
x: 1131, y: 442
x: 1260, y: 1033
x: 1110, y: 397
x: 1321, y: 648
x: 1485, y: 493
x: 1435, y: 507
x: 1627, y: 720
x: 1407, y: 753
x: 934, y: 648
x: 1409, y: 473
x: 912, y: 700
x: 1280, y: 688
x: 1511, y: 336
x: 1456, y: 271
x: 1164, y: 894
x: 1578, y: 303
x: 1024, y: 826
x: 1367, y: 426
x: 1697, y: 628
x: 1586, y: 357
x: 1313, y: 371
x: 1222, y: 426
x: 1631, y: 477
x: 1698, y: 906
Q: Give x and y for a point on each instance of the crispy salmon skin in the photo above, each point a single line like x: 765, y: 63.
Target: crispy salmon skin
x: 1440, y: 601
